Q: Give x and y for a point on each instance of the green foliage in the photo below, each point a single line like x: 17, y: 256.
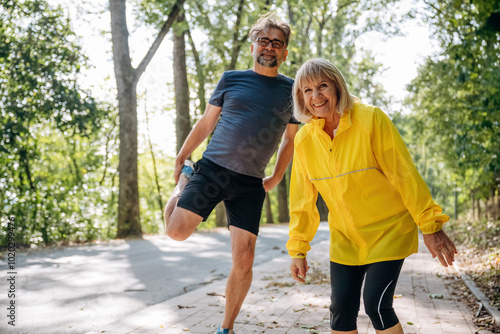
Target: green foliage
x: 225, y: 25
x: 480, y: 235
x: 151, y: 210
x: 337, y: 23
x: 457, y: 92
x: 58, y: 152
x: 49, y: 160
x: 427, y: 159
x: 329, y: 29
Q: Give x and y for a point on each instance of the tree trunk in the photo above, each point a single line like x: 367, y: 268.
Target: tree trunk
x: 473, y: 205
x: 155, y: 169
x: 497, y: 206
x: 199, y: 74
x: 455, y: 213
x: 181, y: 87
x: 237, y: 43
x: 493, y: 214
x: 283, y: 214
x: 320, y: 39
x: 269, y: 211
x: 126, y: 81
x: 128, y: 195
x: 478, y: 204
x: 109, y: 135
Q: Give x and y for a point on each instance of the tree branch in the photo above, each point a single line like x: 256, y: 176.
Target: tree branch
x: 236, y: 41
x: 345, y: 5
x: 156, y: 44
x: 199, y: 73
x: 106, y: 161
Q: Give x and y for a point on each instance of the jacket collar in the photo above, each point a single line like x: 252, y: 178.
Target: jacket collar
x: 345, y: 122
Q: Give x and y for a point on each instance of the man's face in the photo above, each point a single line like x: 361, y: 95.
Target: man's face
x: 269, y: 55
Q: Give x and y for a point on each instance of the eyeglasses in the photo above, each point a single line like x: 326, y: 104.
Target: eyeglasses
x: 276, y: 43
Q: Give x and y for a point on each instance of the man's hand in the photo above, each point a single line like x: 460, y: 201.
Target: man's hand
x: 270, y: 182
x: 441, y: 246
x: 299, y: 268
x: 177, y: 169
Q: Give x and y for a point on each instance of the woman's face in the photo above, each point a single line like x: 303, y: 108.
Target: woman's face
x: 320, y: 98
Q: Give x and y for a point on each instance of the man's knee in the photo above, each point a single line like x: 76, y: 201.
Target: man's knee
x: 175, y: 231
x: 247, y: 259
x: 177, y: 234
x: 181, y: 225
x: 243, y: 260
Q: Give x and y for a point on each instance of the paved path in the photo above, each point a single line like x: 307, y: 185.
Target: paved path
x: 278, y: 305
x: 73, y: 290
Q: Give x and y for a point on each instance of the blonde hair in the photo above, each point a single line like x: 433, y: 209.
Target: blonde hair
x: 270, y: 21
x: 316, y: 70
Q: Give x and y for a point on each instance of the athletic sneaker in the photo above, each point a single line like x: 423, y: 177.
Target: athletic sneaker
x: 224, y: 331
x: 188, y: 168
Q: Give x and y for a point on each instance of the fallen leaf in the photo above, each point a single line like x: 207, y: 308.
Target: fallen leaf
x: 214, y: 294
x: 182, y: 306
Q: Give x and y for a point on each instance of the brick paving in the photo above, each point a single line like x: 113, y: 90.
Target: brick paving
x: 278, y: 305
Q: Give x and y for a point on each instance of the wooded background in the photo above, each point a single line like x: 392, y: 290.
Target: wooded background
x: 70, y: 169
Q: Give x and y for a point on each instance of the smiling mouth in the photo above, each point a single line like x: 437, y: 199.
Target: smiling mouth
x: 319, y: 104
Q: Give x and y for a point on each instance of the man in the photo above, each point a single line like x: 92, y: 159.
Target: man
x: 255, y: 111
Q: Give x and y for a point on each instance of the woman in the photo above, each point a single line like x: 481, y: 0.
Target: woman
x: 352, y: 154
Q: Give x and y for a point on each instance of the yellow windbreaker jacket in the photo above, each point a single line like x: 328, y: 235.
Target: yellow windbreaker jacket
x: 373, y: 191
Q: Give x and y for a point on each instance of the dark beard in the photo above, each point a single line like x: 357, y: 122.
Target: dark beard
x: 267, y: 63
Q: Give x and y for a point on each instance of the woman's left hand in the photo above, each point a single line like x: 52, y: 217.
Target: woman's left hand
x: 440, y: 246
x: 299, y: 269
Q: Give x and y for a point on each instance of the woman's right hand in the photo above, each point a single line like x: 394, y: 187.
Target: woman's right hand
x: 440, y: 246
x: 299, y: 269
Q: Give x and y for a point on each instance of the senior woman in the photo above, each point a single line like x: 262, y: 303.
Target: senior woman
x: 352, y: 154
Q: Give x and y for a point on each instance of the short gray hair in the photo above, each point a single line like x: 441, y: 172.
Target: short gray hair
x: 315, y: 70
x: 270, y: 21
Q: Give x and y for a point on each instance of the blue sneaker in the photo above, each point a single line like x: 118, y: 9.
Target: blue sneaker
x: 224, y: 331
x: 188, y: 169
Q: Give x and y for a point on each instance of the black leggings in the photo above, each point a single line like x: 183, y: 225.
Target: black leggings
x: 378, y: 293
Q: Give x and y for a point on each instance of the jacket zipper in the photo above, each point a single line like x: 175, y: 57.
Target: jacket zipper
x: 350, y: 225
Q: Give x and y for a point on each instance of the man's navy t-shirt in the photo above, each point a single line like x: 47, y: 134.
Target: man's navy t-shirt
x: 255, y: 112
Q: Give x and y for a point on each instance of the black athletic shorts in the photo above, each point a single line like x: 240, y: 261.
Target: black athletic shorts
x: 210, y: 184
